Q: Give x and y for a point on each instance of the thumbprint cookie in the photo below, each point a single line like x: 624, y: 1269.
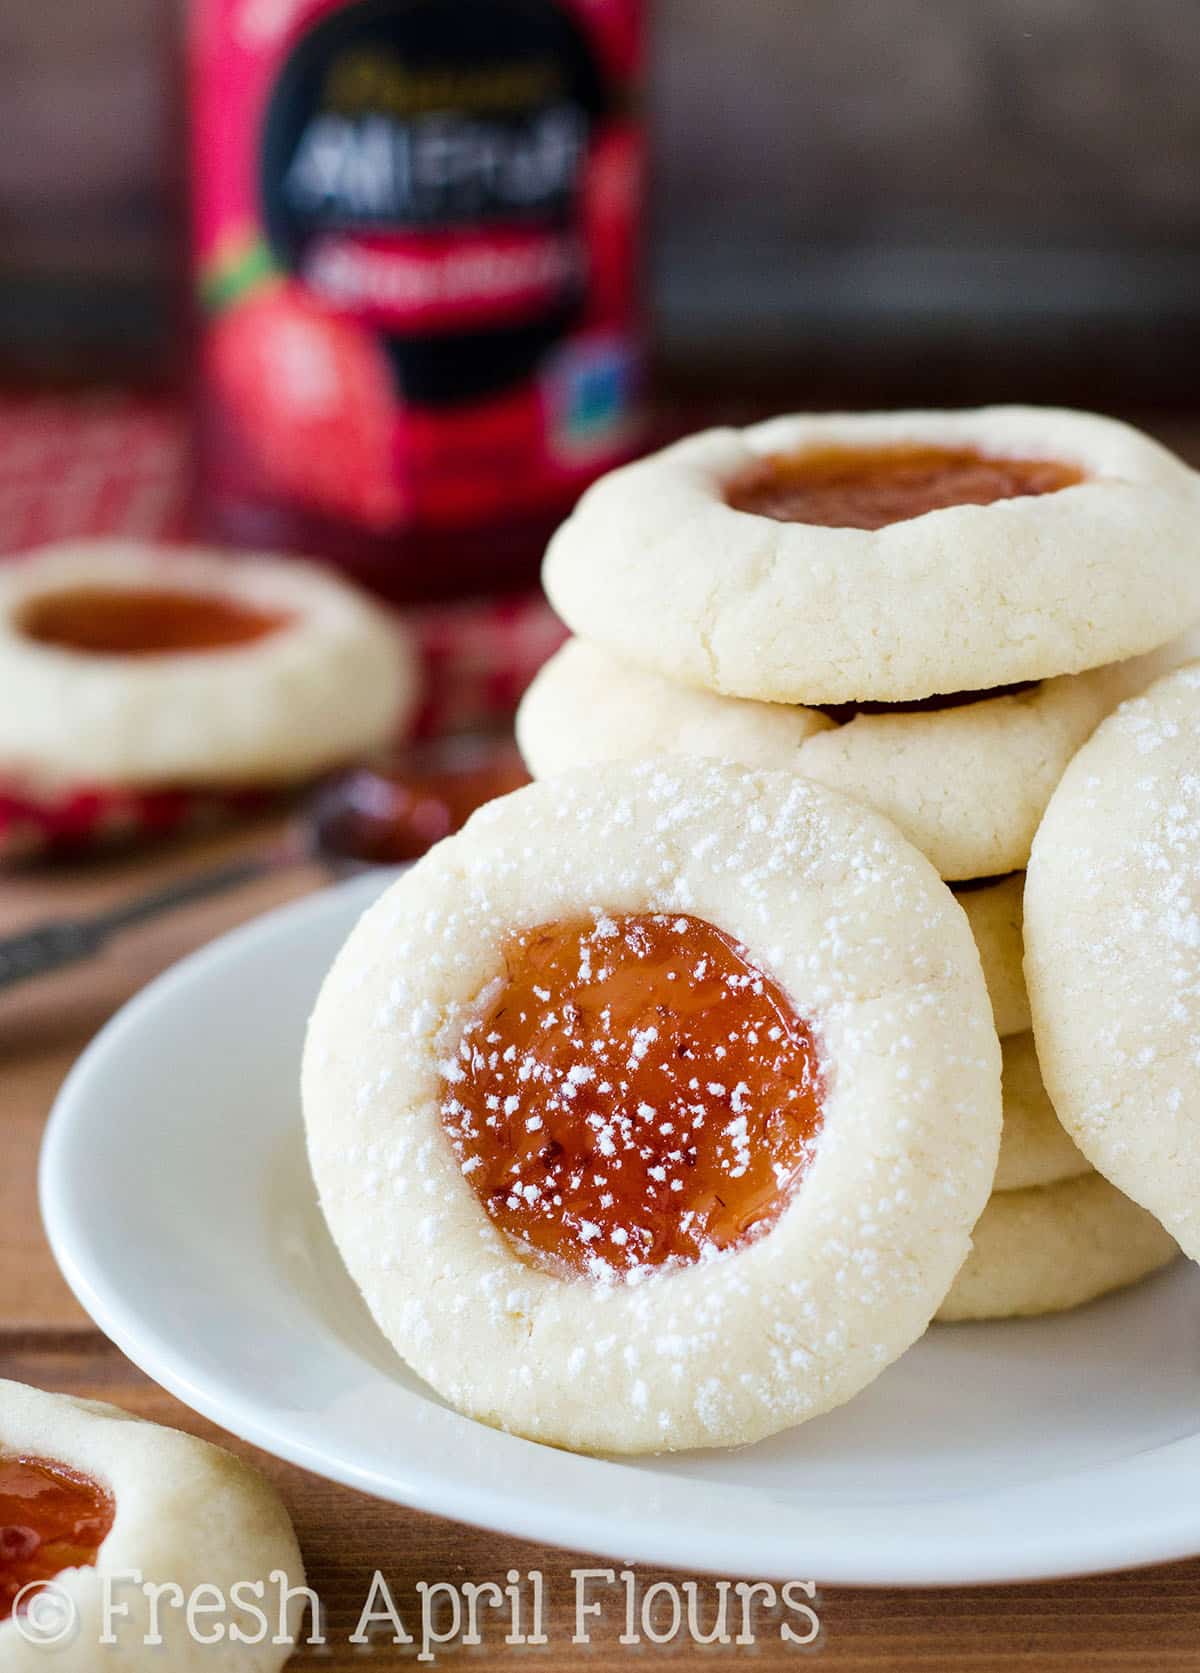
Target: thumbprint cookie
x: 994, y: 908
x: 1034, y: 1147
x: 885, y: 556
x: 655, y: 1108
x: 109, y: 1526
x: 965, y: 776
x: 127, y: 665
x: 1112, y: 955
x: 1052, y: 1247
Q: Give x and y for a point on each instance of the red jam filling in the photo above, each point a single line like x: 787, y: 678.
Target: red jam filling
x: 51, y: 1518
x: 636, y: 1092
x: 844, y: 713
x: 972, y: 885
x: 868, y: 488
x: 115, y: 621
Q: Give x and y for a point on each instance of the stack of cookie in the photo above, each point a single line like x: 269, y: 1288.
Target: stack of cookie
x: 931, y: 612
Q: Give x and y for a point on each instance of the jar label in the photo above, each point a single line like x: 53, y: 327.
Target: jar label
x: 416, y: 227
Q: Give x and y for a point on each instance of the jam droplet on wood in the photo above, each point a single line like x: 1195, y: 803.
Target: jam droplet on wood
x: 868, y: 488
x: 394, y: 811
x: 51, y: 1518
x: 115, y: 621
x: 636, y: 1092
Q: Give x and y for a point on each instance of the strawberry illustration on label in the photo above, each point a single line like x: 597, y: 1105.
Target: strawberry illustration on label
x: 312, y: 398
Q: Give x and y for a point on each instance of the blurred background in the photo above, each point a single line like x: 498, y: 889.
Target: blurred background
x: 859, y: 201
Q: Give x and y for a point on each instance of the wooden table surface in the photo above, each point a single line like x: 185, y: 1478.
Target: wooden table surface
x: 1132, y: 1621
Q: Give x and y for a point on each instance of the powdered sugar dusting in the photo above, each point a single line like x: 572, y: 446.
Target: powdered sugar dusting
x: 1114, y: 937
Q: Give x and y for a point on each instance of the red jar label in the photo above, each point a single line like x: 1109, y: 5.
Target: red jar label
x: 416, y: 232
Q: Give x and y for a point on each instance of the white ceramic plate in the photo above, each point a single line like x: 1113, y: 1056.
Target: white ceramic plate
x: 177, y: 1197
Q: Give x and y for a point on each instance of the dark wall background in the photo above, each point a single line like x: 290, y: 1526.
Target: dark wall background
x: 952, y: 195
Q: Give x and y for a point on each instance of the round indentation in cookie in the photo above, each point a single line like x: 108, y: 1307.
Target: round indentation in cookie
x: 960, y: 576
x: 51, y: 1518
x: 126, y: 666
x: 636, y: 1092
x: 868, y: 488
x: 1052, y: 1247
x: 146, y: 621
x: 776, y: 1310
x: 1112, y: 951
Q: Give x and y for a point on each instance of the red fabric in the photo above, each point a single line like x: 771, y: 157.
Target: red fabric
x: 75, y: 467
